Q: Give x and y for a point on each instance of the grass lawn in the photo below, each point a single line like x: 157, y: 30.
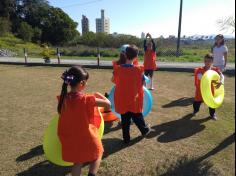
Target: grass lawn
x: 181, y: 145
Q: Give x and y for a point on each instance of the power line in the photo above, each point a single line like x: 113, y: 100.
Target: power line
x: 82, y: 4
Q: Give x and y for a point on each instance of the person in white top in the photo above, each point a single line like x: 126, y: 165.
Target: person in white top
x: 220, y: 53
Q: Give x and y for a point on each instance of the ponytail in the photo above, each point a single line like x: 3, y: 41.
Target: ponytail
x: 62, y: 97
x: 71, y: 77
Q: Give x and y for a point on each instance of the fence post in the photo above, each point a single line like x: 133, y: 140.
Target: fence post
x: 98, y: 57
x: 26, y: 55
x: 58, y: 56
x: 179, y: 30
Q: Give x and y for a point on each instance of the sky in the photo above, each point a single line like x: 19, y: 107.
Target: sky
x: 159, y: 17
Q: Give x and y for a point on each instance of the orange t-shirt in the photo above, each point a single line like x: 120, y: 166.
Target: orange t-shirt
x: 135, y: 62
x: 201, y: 70
x: 77, y: 129
x: 128, y: 96
x: 150, y: 60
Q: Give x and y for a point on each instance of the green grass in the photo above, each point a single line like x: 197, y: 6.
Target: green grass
x: 180, y: 145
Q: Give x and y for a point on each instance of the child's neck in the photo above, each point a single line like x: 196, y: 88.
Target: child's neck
x: 207, y: 68
x: 130, y: 62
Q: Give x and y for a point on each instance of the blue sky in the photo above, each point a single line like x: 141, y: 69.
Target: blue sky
x: 159, y: 17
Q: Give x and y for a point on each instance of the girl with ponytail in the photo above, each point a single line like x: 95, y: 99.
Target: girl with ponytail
x: 76, y: 129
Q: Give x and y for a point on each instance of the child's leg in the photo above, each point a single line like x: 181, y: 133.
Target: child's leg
x: 151, y: 79
x: 146, y: 74
x: 125, y: 122
x: 196, y: 106
x: 212, y: 112
x: 76, y: 170
x: 140, y: 123
x: 94, y: 166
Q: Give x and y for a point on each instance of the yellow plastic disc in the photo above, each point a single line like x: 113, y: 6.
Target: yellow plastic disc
x: 216, y: 100
x: 52, y: 145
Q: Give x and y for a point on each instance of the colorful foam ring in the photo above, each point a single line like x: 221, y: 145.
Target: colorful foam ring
x: 212, y: 100
x: 52, y: 145
x: 108, y: 116
x: 147, y: 102
x: 147, y: 80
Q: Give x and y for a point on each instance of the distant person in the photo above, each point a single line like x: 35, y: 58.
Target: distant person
x: 208, y: 61
x: 220, y: 53
x: 150, y: 59
x: 76, y: 128
x: 129, y: 94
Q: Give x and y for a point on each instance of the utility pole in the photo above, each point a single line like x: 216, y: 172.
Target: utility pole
x: 179, y: 30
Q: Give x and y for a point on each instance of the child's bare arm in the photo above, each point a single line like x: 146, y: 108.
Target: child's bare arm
x: 102, y: 101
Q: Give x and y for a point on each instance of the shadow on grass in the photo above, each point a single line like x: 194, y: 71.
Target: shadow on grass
x: 114, y: 145
x: 223, y: 145
x: 195, y: 167
x: 178, y: 129
x: 109, y: 127
x: 46, y: 168
x: 185, y: 101
x: 37, y: 151
x: 189, y: 167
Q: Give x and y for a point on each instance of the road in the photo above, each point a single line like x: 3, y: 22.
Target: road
x: 161, y: 65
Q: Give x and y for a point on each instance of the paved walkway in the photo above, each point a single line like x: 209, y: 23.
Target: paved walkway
x: 166, y: 66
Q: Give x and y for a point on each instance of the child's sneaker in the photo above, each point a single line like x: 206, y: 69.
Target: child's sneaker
x: 148, y: 132
x: 152, y: 88
x: 214, y: 117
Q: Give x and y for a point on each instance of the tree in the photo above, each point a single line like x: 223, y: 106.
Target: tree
x: 58, y: 27
x: 7, y: 8
x: 227, y: 24
x: 25, y: 31
x: 37, y: 34
x: 5, y: 26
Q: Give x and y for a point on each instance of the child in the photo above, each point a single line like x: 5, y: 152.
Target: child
x: 220, y: 53
x: 122, y: 59
x: 76, y: 128
x: 208, y: 60
x: 150, y: 59
x: 128, y: 96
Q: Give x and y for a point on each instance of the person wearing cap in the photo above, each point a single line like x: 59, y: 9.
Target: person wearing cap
x: 149, y: 59
x: 220, y: 53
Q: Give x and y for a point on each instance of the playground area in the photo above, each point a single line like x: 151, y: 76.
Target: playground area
x: 180, y: 145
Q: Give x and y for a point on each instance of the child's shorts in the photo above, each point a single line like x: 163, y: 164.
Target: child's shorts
x: 149, y: 73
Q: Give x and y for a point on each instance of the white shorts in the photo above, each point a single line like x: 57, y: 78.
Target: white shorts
x: 221, y: 67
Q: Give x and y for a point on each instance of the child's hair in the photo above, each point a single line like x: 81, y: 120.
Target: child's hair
x: 71, y: 77
x: 209, y: 56
x: 132, y: 52
x: 122, y: 59
x: 222, y: 43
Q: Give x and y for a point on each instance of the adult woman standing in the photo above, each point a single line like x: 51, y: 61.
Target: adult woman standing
x: 220, y: 53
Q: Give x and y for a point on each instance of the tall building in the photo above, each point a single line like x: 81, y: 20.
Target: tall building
x: 103, y: 23
x: 85, y: 24
x: 143, y: 35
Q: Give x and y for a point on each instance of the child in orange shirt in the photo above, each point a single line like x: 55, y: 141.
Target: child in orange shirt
x: 150, y: 59
x: 76, y: 128
x: 128, y: 95
x: 208, y: 60
x: 122, y: 58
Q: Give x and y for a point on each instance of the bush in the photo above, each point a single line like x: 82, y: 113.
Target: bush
x: 25, y: 31
x: 5, y: 26
x: 37, y: 35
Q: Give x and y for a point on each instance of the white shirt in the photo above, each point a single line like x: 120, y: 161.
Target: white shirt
x: 218, y: 53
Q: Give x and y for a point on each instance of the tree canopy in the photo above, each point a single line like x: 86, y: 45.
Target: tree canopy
x: 43, y: 22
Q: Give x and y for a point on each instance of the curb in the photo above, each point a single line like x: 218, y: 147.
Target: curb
x: 160, y: 68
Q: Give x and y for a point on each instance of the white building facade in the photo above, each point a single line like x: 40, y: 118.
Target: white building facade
x: 103, y: 24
